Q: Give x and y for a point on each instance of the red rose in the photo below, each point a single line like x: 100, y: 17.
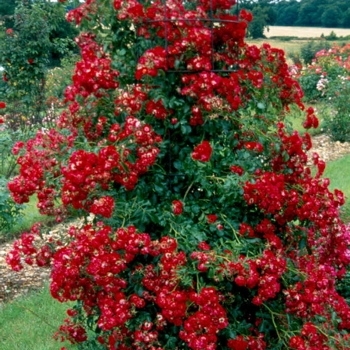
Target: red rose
x: 103, y: 206
x: 211, y: 218
x: 203, y: 246
x: 253, y: 146
x: 246, y: 15
x: 177, y: 207
x: 2, y: 104
x: 202, y: 152
x: 237, y: 169
x: 239, y: 343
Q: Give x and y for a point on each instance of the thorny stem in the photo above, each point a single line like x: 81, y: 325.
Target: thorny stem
x: 224, y: 217
x: 187, y: 191
x: 272, y: 313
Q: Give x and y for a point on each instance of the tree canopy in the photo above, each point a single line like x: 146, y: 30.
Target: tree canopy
x: 308, y: 13
x: 60, y: 32
x: 7, y: 9
x: 318, y: 13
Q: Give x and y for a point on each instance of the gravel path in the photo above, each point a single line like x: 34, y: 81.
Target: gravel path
x: 328, y: 150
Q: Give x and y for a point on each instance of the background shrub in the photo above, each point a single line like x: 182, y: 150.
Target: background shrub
x: 309, y: 50
x: 337, y: 121
x: 10, y: 212
x: 59, y: 78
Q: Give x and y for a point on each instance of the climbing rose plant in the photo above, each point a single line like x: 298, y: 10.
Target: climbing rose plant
x: 205, y: 226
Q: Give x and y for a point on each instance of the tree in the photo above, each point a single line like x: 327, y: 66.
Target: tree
x: 331, y: 17
x: 37, y: 40
x: 264, y: 15
x: 7, y: 9
x: 288, y: 14
x: 259, y: 23
x: 25, y: 53
x: 307, y: 14
x: 310, y: 12
x: 346, y: 19
x: 204, y: 226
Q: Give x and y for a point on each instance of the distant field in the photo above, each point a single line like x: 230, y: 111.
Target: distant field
x: 304, y: 32
x: 290, y: 47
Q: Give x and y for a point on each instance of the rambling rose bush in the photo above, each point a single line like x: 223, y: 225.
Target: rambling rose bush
x: 210, y: 230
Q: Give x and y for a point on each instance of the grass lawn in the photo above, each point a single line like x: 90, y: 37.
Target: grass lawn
x: 338, y: 172
x: 289, y: 47
x: 296, y: 118
x: 30, y: 322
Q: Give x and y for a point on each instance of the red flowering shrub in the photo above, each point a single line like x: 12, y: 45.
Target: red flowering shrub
x: 210, y: 230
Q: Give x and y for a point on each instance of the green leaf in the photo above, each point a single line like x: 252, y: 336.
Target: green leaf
x: 185, y: 129
x: 261, y: 105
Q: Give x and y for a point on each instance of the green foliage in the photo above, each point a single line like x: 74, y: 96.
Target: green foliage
x: 37, y: 39
x: 327, y: 79
x: 343, y: 286
x: 309, y: 50
x: 287, y: 13
x: 28, y: 217
x: 337, y: 123
x: 320, y: 72
x: 24, y: 58
x: 257, y: 26
x: 7, y: 9
x: 325, y: 13
x: 17, y: 128
x: 295, y: 57
x: 308, y: 82
x: 283, y: 38
x: 59, y: 78
x: 296, y: 119
x: 10, y: 212
x: 331, y: 16
x: 267, y: 6
x: 307, y: 14
x: 263, y: 16
x: 7, y: 161
x: 332, y: 36
x: 346, y: 19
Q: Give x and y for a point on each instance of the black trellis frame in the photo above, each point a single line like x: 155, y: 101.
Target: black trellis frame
x: 170, y: 175
x: 211, y: 19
